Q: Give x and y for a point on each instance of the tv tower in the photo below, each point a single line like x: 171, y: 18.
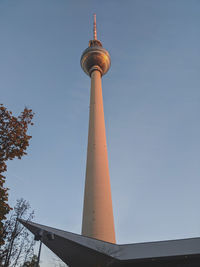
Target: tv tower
x: 96, y: 246
x: 98, y: 221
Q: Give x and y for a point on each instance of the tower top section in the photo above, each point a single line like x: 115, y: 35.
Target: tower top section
x: 94, y: 42
x: 95, y: 57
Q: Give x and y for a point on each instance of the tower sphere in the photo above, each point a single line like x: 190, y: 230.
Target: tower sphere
x: 95, y: 57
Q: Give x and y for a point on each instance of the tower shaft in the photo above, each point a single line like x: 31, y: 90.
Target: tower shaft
x: 98, y: 221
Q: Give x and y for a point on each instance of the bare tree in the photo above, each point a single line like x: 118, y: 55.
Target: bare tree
x: 31, y: 263
x: 18, y: 247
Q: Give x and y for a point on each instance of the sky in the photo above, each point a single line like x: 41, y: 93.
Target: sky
x: 151, y: 103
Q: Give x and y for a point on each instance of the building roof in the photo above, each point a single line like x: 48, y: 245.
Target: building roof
x: 77, y: 250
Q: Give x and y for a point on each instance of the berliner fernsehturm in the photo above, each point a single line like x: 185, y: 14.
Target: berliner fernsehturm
x: 98, y: 221
x: 96, y: 246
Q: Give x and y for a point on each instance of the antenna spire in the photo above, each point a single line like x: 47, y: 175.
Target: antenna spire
x: 95, y: 28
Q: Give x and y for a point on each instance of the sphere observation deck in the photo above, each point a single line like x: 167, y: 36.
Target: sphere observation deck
x: 95, y: 57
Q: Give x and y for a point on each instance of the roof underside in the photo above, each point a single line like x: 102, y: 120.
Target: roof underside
x: 78, y: 251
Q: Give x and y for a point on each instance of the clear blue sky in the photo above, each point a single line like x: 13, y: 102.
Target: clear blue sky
x: 151, y: 102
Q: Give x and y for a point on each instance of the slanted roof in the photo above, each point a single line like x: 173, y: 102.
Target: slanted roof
x: 78, y: 251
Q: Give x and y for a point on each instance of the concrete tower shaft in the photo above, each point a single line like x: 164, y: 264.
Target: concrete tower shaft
x: 98, y: 221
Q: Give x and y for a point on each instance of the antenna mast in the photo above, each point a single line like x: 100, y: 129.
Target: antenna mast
x: 95, y: 28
